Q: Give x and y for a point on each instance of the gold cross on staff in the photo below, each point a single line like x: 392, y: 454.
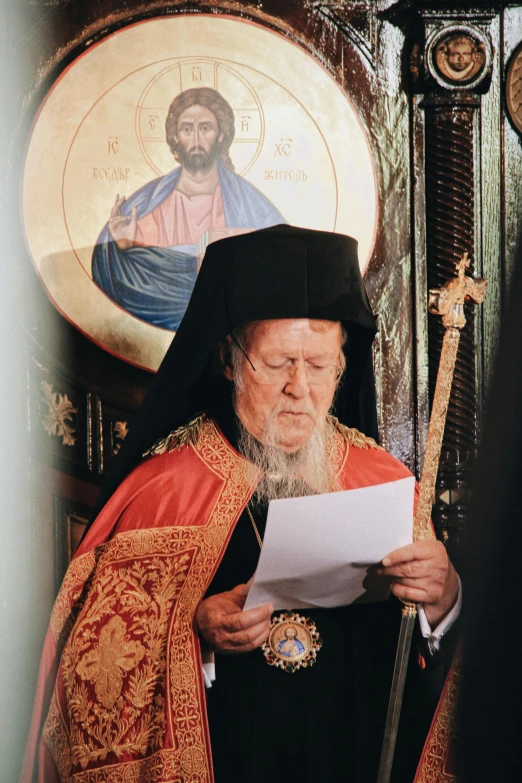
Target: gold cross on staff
x: 448, y: 301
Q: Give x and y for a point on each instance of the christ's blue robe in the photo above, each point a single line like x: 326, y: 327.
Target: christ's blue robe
x: 297, y: 643
x: 155, y: 283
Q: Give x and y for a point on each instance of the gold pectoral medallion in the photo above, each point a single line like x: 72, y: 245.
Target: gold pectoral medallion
x: 293, y: 642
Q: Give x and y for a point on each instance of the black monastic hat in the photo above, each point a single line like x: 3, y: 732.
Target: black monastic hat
x: 277, y: 272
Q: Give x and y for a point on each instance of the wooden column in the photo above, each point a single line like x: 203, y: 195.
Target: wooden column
x: 450, y: 223
x: 456, y: 71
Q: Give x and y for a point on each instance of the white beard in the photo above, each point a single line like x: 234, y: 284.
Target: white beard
x: 305, y: 472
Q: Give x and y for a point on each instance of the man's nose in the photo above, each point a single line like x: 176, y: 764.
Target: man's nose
x: 297, y: 384
x: 196, y: 135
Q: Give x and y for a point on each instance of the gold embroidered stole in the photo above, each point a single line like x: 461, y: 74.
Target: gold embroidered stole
x: 438, y: 762
x: 128, y: 704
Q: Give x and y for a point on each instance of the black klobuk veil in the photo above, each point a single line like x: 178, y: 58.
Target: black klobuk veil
x: 277, y: 272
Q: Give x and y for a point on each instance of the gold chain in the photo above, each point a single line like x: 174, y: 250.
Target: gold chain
x: 256, y: 531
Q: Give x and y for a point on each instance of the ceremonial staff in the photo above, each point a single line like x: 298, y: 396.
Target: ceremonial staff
x: 448, y: 302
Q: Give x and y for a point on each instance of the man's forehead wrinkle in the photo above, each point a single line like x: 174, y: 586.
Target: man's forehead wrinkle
x: 291, y: 338
x: 315, y: 324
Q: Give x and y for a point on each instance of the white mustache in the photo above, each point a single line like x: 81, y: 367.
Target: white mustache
x: 302, y: 409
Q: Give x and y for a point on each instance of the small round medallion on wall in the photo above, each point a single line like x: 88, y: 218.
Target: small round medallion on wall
x: 458, y: 57
x: 514, y: 89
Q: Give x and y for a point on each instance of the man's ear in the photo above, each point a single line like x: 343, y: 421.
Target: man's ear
x: 221, y: 137
x: 225, y: 358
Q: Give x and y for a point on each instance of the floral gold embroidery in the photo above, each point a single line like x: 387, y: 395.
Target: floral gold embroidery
x: 187, y: 435
x: 128, y: 704
x: 355, y: 438
x: 337, y: 452
x: 432, y: 766
x: 114, y: 662
x: 104, y: 666
x: 77, y: 575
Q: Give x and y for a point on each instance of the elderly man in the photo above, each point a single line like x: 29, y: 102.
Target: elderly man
x: 239, y: 414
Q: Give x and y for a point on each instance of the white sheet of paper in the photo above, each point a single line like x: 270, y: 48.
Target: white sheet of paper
x: 318, y: 551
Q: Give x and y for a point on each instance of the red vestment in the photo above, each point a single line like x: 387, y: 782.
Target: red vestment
x: 120, y: 695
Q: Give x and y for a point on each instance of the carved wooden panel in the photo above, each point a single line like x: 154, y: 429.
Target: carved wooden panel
x: 60, y: 420
x: 70, y: 427
x: 113, y: 426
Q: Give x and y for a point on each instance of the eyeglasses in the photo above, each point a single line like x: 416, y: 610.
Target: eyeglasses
x: 316, y: 374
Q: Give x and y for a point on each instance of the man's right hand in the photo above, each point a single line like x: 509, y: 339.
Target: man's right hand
x: 226, y: 628
x: 123, y: 228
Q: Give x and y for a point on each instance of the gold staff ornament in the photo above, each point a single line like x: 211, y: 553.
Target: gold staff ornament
x: 448, y: 302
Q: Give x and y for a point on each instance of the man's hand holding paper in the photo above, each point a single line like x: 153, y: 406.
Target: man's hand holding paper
x: 226, y: 628
x: 422, y: 572
x: 323, y: 550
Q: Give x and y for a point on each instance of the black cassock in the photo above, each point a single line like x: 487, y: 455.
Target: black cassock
x: 324, y: 723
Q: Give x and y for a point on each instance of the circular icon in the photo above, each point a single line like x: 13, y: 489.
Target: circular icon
x: 458, y: 57
x: 293, y: 642
x: 116, y: 219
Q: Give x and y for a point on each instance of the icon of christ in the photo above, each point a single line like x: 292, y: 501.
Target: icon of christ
x: 145, y: 258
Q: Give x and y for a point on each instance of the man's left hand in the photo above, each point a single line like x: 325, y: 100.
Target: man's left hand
x: 422, y: 573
